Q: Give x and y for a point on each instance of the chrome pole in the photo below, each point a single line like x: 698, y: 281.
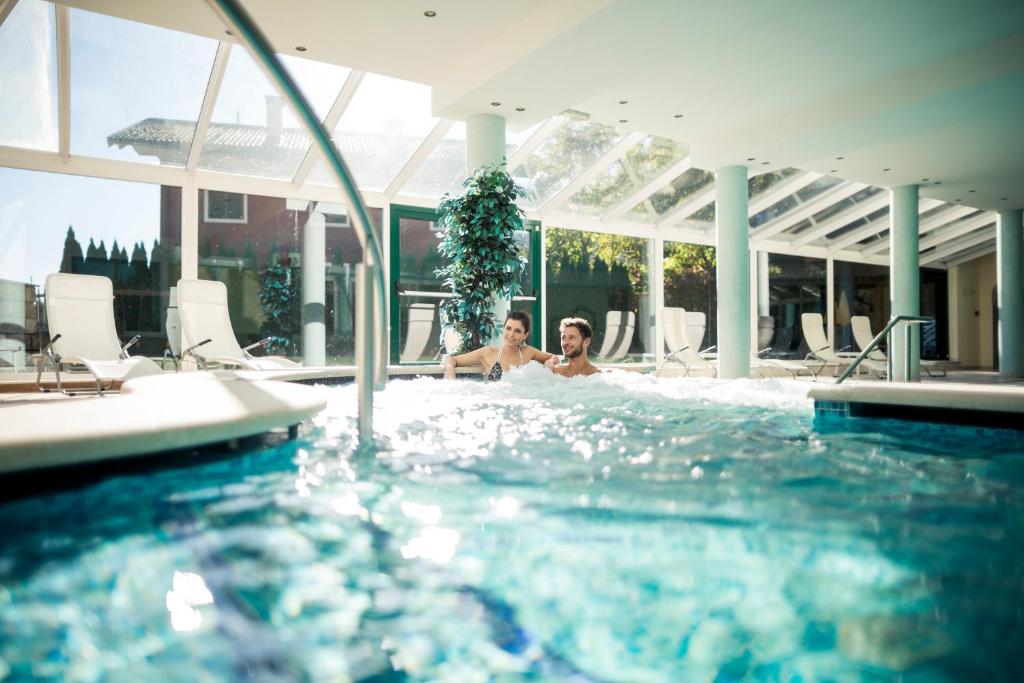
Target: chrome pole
x: 365, y: 357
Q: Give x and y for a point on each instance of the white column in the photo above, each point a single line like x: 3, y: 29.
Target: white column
x: 485, y: 141
x: 1010, y: 292
x: 733, y: 249
x: 189, y: 231
x: 905, y: 279
x: 830, y: 301
x: 658, y: 293
x: 763, y: 293
x: 314, y: 295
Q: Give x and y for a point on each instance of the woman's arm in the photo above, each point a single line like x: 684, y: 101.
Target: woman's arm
x: 542, y: 357
x: 472, y: 358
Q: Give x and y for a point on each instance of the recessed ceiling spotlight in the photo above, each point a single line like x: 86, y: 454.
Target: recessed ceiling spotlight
x: 520, y: 108
x: 839, y: 158
x: 623, y: 120
x: 834, y: 170
x: 751, y: 158
x: 970, y: 190
x: 1003, y: 199
x: 886, y: 170
x: 229, y: 32
x: 765, y: 163
x: 957, y: 200
x: 924, y: 180
x: 300, y: 48
x: 623, y: 101
x: 495, y: 104
x: 679, y: 116
x: 937, y: 182
x: 430, y: 14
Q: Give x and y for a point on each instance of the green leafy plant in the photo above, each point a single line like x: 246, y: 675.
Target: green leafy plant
x: 279, y: 302
x: 484, y: 261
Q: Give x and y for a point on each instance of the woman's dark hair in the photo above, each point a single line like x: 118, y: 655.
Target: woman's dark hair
x: 522, y: 317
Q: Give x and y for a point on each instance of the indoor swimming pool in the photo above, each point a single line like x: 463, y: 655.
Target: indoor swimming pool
x: 615, y: 528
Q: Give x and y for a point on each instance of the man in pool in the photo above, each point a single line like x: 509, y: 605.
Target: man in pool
x: 576, y: 335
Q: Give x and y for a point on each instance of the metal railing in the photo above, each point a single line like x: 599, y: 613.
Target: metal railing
x: 895, y: 320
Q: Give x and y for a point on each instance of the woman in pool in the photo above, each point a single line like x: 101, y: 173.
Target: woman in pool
x: 513, y: 352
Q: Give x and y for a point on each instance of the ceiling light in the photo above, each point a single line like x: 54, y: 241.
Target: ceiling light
x: 834, y: 170
x: 886, y: 170
x: 924, y: 180
x: 937, y: 182
x: 430, y: 14
x: 839, y: 158
x: 765, y: 163
x: 520, y: 108
x: 957, y: 200
x: 623, y: 120
x: 300, y: 48
x: 623, y: 101
x: 679, y: 116
x: 751, y: 158
x: 1003, y: 199
x: 495, y: 104
x: 970, y: 190
x: 229, y: 32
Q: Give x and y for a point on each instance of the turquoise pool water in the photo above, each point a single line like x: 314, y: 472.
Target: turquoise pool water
x: 619, y: 528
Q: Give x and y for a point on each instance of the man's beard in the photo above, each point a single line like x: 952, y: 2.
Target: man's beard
x: 573, y: 354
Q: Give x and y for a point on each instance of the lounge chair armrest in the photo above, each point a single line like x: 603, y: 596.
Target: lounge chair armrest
x: 710, y: 348
x: 131, y: 342
x: 47, y: 354
x: 190, y: 352
x: 261, y: 342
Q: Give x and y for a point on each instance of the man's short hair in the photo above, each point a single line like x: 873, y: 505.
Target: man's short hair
x: 586, y: 331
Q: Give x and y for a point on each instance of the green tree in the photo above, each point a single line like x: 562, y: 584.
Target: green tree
x: 485, y: 262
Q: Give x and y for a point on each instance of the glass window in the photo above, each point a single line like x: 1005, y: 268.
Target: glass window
x: 759, y: 184
x: 261, y: 262
x: 691, y: 284
x: 382, y: 126
x: 796, y: 286
x: 128, y: 99
x: 224, y: 207
x: 567, y: 152
x: 28, y: 79
x: 603, y: 279
x: 444, y: 169
x: 252, y: 131
x: 859, y: 289
x: 128, y: 232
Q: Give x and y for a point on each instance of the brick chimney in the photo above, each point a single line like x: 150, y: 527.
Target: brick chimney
x: 275, y: 110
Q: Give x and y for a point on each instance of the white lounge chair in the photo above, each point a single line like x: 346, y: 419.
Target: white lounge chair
x: 80, y: 315
x: 821, y: 350
x: 863, y: 336
x: 417, y: 334
x: 677, y: 324
x: 206, y: 332
x: 618, y: 335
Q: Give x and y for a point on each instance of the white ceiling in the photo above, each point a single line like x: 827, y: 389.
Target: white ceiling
x: 924, y: 88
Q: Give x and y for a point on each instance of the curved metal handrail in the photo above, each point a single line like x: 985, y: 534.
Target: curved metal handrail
x: 236, y: 18
x: 893, y: 321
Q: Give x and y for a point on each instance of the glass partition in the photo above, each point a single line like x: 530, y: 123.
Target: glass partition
x: 54, y: 223
x: 604, y: 279
x: 417, y: 292
x: 28, y: 78
x: 859, y: 289
x: 128, y: 100
x: 691, y: 283
x: 796, y: 286
x: 260, y: 256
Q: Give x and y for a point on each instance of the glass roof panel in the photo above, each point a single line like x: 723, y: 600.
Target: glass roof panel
x: 675, y: 193
x: 514, y: 140
x: 28, y: 78
x: 252, y: 130
x: 383, y: 125
x: 128, y: 99
x: 759, y: 184
x: 602, y: 193
x: 444, y: 169
x: 566, y: 153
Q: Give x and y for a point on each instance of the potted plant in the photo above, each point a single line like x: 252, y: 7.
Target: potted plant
x: 485, y: 264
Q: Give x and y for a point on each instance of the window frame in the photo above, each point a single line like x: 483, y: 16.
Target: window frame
x: 206, y: 208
